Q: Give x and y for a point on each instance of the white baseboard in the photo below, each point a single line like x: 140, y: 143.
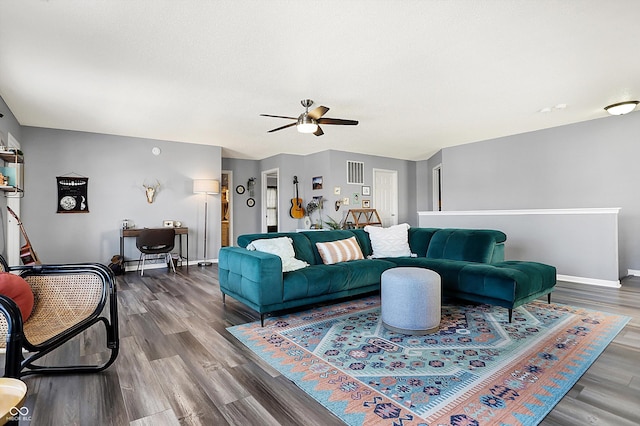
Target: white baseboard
x: 634, y: 272
x: 133, y: 265
x: 590, y: 281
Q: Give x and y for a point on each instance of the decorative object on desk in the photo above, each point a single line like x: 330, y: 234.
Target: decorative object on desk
x: 251, y: 183
x: 177, y: 223
x: 240, y: 189
x: 366, y: 190
x: 72, y: 194
x: 206, y: 187
x: 251, y: 202
x: 296, y: 211
x: 316, y: 182
x: 127, y: 223
x: 168, y: 223
x: 366, y: 204
x: 27, y: 253
x: 151, y: 190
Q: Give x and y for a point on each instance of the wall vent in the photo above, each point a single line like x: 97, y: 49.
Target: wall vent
x: 355, y: 172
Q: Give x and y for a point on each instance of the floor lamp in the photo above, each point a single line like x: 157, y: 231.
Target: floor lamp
x: 206, y: 187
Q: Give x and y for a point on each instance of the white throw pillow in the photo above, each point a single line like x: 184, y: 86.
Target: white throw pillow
x: 339, y: 251
x: 281, y: 246
x: 389, y: 242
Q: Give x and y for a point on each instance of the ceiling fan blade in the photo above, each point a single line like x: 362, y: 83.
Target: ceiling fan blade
x: 316, y: 113
x: 282, y: 127
x: 279, y: 116
x: 337, y: 121
x: 318, y: 132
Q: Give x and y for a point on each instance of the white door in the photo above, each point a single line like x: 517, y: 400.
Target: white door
x: 385, y: 195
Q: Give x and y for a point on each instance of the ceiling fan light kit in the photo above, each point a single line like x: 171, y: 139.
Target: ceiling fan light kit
x: 309, y: 121
x: 306, y: 124
x: 621, y: 108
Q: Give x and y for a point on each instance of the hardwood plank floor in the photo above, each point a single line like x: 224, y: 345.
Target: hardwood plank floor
x: 179, y: 365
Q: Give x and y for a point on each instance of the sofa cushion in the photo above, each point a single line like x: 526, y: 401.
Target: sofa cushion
x: 313, y: 281
x: 471, y: 245
x: 301, y: 244
x: 283, y: 247
x: 419, y: 239
x: 389, y: 242
x: 323, y: 237
x: 339, y: 251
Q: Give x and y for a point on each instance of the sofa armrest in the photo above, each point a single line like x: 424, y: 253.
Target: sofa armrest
x: 252, y: 277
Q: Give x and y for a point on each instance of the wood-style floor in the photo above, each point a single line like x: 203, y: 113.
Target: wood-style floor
x: 179, y: 365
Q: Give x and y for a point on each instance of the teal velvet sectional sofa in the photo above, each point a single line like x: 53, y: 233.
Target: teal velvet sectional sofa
x: 470, y: 262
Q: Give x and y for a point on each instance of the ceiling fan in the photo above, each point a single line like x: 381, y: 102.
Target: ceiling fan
x: 308, y: 121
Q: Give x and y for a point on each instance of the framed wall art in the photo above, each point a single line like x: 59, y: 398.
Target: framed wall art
x: 73, y: 194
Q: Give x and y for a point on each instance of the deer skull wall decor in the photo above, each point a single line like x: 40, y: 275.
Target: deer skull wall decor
x: 150, y: 191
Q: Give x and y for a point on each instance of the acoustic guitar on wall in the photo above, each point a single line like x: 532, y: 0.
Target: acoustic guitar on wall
x: 297, y: 211
x: 27, y: 253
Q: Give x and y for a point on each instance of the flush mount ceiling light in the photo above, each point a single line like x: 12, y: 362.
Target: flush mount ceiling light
x: 621, y: 108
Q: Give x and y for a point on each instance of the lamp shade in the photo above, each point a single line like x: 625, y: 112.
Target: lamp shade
x: 207, y: 186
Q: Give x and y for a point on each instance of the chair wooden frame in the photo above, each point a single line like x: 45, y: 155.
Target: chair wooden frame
x: 77, y: 306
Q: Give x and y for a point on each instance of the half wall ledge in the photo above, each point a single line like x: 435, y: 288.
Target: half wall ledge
x: 581, y: 243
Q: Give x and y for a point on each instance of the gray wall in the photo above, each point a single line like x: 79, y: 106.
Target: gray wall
x: 589, y: 164
x: 116, y: 168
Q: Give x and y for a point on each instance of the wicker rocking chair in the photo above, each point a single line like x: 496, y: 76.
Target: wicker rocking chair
x: 69, y: 299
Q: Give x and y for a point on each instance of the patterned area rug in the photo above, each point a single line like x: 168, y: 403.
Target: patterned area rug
x: 478, y: 369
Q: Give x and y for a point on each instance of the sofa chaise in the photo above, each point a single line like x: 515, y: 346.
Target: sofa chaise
x: 470, y: 262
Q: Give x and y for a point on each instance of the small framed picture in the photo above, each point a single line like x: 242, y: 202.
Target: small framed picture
x: 168, y: 224
x: 366, y: 204
x: 366, y: 190
x: 316, y: 182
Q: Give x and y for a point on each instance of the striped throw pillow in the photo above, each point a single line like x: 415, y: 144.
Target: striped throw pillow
x: 339, y: 251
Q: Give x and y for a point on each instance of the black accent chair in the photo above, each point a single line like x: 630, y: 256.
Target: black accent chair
x: 69, y: 299
x: 154, y: 243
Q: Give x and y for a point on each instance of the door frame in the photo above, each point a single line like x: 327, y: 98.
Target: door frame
x: 394, y: 207
x: 436, y: 178
x: 230, y: 187
x: 263, y: 205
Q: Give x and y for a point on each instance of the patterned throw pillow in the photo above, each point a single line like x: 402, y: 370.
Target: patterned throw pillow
x: 339, y: 251
x: 389, y: 242
x: 281, y: 246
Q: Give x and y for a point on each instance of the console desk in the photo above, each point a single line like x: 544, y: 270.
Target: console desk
x: 133, y: 233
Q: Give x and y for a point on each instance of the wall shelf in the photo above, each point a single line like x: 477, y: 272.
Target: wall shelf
x: 359, y: 218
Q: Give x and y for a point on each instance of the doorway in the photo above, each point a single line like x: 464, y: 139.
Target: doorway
x: 385, y: 195
x: 437, y: 188
x: 226, y: 230
x: 271, y: 197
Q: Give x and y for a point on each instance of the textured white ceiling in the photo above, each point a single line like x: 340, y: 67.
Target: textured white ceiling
x: 418, y: 75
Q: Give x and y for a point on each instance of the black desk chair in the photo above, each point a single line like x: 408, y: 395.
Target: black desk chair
x: 154, y: 243
x: 69, y: 299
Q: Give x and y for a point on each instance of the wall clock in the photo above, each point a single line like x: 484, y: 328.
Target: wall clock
x: 240, y: 189
x: 251, y: 202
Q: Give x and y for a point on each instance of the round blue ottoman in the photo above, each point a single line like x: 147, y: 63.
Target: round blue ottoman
x: 410, y: 300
